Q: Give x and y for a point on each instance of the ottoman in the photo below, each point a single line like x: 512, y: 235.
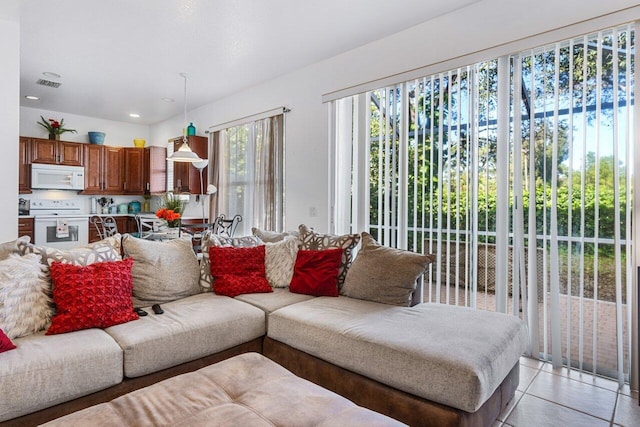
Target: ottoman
x: 246, y: 390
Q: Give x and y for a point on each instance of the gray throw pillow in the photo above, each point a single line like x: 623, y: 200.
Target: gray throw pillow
x: 273, y: 236
x: 384, y: 274
x: 11, y: 247
x: 162, y: 271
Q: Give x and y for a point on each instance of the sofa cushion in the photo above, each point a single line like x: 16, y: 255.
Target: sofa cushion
x: 383, y: 274
x: 316, y: 272
x: 46, y: 370
x: 310, y: 240
x: 25, y: 305
x: 5, y: 342
x: 93, y: 296
x: 280, y: 297
x: 190, y: 328
x: 209, y: 239
x: 162, y: 271
x: 238, y: 271
x: 279, y: 260
x: 451, y: 355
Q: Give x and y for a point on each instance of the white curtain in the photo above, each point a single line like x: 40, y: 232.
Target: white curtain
x: 249, y: 174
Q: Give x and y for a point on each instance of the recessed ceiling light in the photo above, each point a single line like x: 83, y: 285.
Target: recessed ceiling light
x: 134, y: 115
x: 31, y: 97
x: 51, y: 74
x: 168, y: 99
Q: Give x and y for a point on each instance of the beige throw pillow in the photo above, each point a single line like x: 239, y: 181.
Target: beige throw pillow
x: 25, y: 303
x: 162, y: 271
x: 384, y: 274
x: 279, y: 261
x: 108, y: 249
x: 310, y: 240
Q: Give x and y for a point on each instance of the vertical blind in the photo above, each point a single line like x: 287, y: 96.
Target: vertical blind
x: 517, y: 174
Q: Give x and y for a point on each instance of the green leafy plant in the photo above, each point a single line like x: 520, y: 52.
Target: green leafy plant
x: 54, y: 127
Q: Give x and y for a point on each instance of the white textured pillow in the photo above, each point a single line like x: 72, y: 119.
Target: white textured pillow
x: 25, y: 302
x: 279, y: 261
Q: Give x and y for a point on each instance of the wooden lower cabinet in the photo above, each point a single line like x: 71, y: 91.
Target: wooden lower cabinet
x: 25, y: 227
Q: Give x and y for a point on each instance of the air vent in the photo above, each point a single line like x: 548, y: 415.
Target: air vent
x: 48, y: 83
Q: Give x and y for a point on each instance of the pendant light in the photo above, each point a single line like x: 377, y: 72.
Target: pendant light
x: 184, y: 153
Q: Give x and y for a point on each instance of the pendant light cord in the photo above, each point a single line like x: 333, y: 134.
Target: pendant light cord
x: 184, y: 129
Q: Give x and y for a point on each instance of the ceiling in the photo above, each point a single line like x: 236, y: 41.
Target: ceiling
x: 119, y: 57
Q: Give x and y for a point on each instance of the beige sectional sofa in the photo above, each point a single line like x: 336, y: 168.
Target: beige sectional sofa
x: 423, y: 365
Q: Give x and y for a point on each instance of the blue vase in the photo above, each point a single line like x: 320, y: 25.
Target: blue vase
x: 96, y: 138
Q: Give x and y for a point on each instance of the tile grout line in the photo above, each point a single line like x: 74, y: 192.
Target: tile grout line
x: 615, y: 405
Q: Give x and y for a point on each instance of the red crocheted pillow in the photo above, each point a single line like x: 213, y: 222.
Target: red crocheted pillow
x: 316, y: 272
x: 5, y: 342
x: 93, y: 296
x: 238, y: 271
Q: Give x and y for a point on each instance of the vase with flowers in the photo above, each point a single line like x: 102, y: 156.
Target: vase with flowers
x: 54, y: 128
x: 171, y: 210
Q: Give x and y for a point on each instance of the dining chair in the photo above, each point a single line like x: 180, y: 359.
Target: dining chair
x: 196, y: 231
x: 106, y: 226
x: 227, y: 227
x: 147, y: 226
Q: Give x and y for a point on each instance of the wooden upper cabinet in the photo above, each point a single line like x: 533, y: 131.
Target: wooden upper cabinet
x: 134, y: 171
x: 113, y: 170
x: 24, y: 166
x: 155, y: 170
x: 56, y: 152
x: 93, y: 155
x: 186, y: 177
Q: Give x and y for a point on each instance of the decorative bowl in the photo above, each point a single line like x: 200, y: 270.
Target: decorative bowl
x: 96, y: 138
x: 139, y: 143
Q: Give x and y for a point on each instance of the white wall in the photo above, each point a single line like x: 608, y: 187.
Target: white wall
x: 479, y: 26
x: 117, y: 133
x: 9, y: 128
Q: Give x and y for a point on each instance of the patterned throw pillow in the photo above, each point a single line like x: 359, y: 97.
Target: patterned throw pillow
x: 163, y: 271
x: 5, y: 342
x: 25, y: 304
x: 316, y: 273
x: 279, y: 260
x: 108, y: 249
x: 11, y: 247
x: 208, y: 240
x: 384, y: 274
x: 238, y: 270
x: 273, y: 236
x: 94, y: 296
x: 310, y: 240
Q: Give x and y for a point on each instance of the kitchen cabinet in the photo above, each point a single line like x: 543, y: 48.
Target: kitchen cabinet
x: 25, y: 228
x: 155, y: 170
x: 54, y: 152
x: 186, y: 177
x: 103, y: 169
x: 24, y: 166
x: 134, y: 171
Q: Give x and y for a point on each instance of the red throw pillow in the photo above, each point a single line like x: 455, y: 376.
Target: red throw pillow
x: 316, y: 272
x: 5, y: 342
x: 93, y: 296
x: 238, y: 271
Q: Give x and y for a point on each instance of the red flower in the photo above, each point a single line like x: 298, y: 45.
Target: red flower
x: 54, y: 123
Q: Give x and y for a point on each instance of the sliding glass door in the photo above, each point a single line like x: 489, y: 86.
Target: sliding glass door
x: 517, y: 174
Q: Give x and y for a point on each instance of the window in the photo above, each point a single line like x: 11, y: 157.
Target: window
x: 249, y: 173
x: 516, y: 173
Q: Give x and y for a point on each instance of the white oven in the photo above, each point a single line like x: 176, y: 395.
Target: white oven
x: 59, y: 224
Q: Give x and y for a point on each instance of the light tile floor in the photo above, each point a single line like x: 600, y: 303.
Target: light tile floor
x: 563, y: 397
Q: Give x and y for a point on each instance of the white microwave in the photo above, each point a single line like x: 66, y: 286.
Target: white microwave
x: 57, y: 177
